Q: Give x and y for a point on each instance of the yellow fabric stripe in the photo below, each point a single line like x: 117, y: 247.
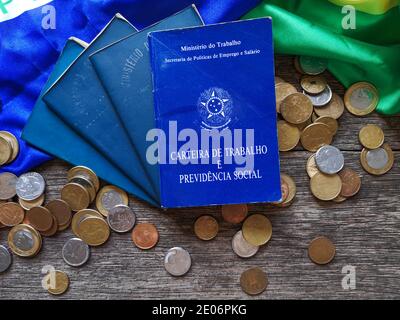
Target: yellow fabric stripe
x: 369, y: 6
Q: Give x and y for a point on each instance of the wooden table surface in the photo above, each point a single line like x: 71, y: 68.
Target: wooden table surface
x: 365, y: 230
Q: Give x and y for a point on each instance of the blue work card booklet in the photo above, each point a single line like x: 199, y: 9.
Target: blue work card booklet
x: 215, y: 140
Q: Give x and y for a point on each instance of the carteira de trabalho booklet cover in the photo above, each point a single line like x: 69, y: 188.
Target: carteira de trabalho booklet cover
x: 215, y: 139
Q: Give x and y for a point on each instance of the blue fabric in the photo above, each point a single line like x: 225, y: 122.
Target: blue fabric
x: 28, y: 52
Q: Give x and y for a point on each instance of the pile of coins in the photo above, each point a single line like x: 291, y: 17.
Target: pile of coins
x: 9, y: 147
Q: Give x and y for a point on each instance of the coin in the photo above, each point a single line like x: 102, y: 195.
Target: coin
x: 326, y: 187
x: 241, y: 247
x: 339, y: 199
x: 30, y: 186
x: 329, y: 159
x: 283, y: 90
x: 7, y: 185
x: 75, y: 252
x: 257, y: 229
x: 85, y: 172
x: 109, y: 197
x: 330, y: 122
x: 79, y: 216
x: 11, y: 214
x: 30, y: 204
x: 378, y: 161
x: 312, y: 65
x: 121, y: 218
x: 5, y: 151
x: 312, y: 168
x: 297, y: 65
x: 206, y: 227
x: 304, y: 125
x: 234, y: 213
x: 40, y: 218
x: 315, y: 136
x: 177, y: 261
x: 371, y: 136
x: 61, y: 210
x: 289, y: 182
x: 24, y: 241
x: 351, y: 182
x: 14, y: 144
x: 53, y: 229
x: 313, y: 84
x: 296, y: 108
x: 57, y: 282
x: 94, y: 231
x: 253, y: 281
x: 5, y: 259
x: 76, y: 196
x: 321, y: 250
x: 361, y: 98
x: 288, y: 135
x: 321, y: 99
x: 87, y: 184
x: 333, y: 109
x: 278, y: 80
x: 145, y: 236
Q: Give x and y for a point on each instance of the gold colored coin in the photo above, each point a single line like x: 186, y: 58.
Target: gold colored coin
x: 257, y: 229
x: 87, y: 184
x: 109, y: 197
x: 284, y: 191
x: 313, y: 84
x: 253, y: 281
x: 76, y: 196
x: 278, y: 80
x: 333, y: 109
x: 288, y: 136
x: 79, y: 216
x: 53, y: 229
x: 292, y: 190
x: 315, y: 136
x: 206, y: 227
x: 57, y: 282
x: 85, y: 172
x: 378, y: 161
x: 296, y: 108
x: 304, y: 125
x: 371, y: 136
x: 5, y: 151
x: 94, y: 231
x: 283, y: 90
x: 24, y: 241
x: 326, y: 187
x: 13, y: 142
x: 339, y: 199
x: 27, y: 205
x: 330, y: 122
x: 312, y: 168
x: 11, y: 214
x: 321, y: 250
x: 361, y: 98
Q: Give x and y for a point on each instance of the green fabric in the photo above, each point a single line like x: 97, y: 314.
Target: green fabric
x: 370, y: 53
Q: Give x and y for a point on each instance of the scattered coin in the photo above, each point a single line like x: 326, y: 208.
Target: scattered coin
x: 312, y: 168
x: 321, y: 250
x: 339, y: 199
x: 284, y: 193
x: 329, y: 159
x: 321, y: 99
x: 371, y: 136
x: 253, y: 281
x: 94, y: 231
x: 13, y: 143
x: 87, y: 184
x: 312, y: 65
x: 5, y: 259
x: 361, y: 98
x: 61, y: 210
x: 57, y: 282
x: 53, y: 229
x: 24, y: 241
x: 76, y: 196
x: 177, y: 261
x: 296, y: 108
x: 330, y: 122
x: 234, y: 213
x: 288, y: 135
x: 241, y: 247
x: 79, y: 216
x: 121, y: 218
x: 283, y: 90
x: 313, y: 84
x: 315, y: 136
x: 291, y: 193
x: 145, y: 236
x: 257, y: 230
x: 11, y: 214
x: 378, y: 161
x: 30, y: 186
x: 5, y: 151
x: 85, y: 172
x: 109, y: 197
x: 351, y: 182
x: 326, y: 187
x: 206, y: 227
x: 40, y: 218
x: 7, y: 185
x: 297, y: 65
x: 27, y: 205
x: 333, y: 109
x: 75, y: 252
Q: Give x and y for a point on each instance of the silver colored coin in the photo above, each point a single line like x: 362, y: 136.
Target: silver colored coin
x: 377, y: 158
x: 111, y: 199
x: 5, y: 259
x: 121, y: 218
x: 8, y: 182
x: 30, y: 186
x: 75, y: 252
x: 362, y: 98
x: 329, y: 159
x: 322, y: 99
x: 241, y: 247
x: 177, y: 261
x: 24, y: 240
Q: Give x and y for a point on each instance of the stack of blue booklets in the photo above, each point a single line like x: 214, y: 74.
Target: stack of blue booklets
x: 167, y: 112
